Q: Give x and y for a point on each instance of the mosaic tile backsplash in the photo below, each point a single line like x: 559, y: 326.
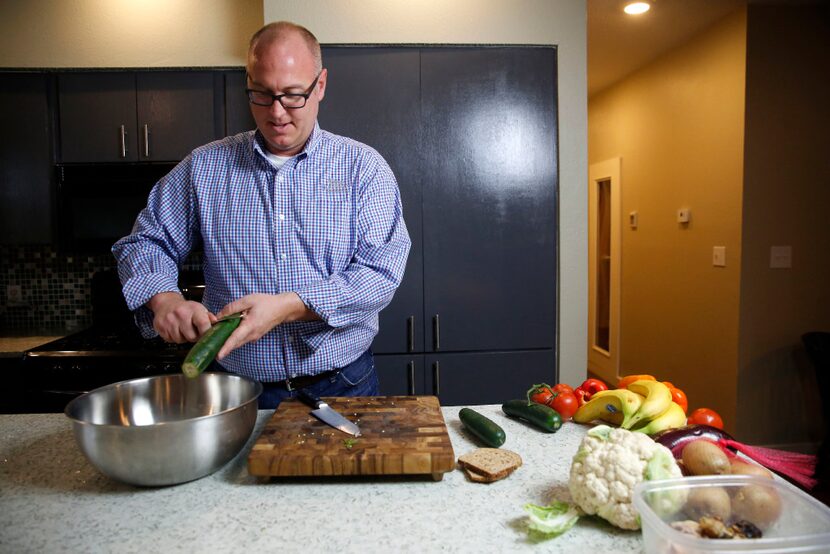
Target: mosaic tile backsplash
x: 55, y: 287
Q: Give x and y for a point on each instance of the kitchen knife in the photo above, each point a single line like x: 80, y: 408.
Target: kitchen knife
x: 237, y: 315
x: 326, y: 414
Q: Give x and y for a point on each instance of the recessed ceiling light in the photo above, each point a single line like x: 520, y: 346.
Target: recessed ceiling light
x: 636, y: 8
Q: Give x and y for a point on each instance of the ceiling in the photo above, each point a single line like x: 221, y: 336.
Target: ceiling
x: 619, y: 44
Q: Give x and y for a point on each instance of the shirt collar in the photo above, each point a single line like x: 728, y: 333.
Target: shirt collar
x: 258, y: 142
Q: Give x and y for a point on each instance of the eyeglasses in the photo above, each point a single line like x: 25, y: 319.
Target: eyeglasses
x: 289, y: 101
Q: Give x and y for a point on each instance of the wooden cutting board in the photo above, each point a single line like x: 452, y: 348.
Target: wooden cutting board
x: 400, y: 435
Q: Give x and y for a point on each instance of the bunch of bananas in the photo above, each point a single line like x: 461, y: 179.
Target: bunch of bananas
x: 645, y: 406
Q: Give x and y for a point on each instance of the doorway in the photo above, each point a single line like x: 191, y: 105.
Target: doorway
x: 604, y: 250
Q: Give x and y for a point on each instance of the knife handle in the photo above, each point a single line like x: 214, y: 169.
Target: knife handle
x: 309, y: 398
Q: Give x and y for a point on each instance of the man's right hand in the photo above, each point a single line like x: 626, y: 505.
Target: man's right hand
x: 178, y: 320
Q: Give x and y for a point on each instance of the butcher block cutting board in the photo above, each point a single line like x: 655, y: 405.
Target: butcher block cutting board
x: 400, y: 435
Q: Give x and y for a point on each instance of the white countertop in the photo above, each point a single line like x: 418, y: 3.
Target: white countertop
x: 53, y: 500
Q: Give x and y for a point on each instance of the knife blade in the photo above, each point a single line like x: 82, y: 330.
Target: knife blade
x: 326, y: 413
x: 237, y: 315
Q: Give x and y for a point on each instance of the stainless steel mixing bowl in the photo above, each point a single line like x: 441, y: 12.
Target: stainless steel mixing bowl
x: 167, y: 429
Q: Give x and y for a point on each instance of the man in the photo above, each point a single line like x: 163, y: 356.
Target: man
x: 301, y: 230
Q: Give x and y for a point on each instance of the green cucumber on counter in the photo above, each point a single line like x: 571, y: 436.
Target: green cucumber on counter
x: 207, y: 347
x: 483, y: 428
x: 544, y: 417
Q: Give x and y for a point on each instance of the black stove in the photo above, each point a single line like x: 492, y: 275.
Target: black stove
x: 111, y: 350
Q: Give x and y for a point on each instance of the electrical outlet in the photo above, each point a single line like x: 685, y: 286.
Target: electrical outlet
x: 14, y: 295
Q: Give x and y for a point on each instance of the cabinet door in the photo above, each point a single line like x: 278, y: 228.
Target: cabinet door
x: 238, y: 118
x: 372, y: 96
x: 487, y: 377
x: 25, y: 160
x: 175, y: 113
x: 400, y: 375
x: 490, y: 197
x: 97, y: 117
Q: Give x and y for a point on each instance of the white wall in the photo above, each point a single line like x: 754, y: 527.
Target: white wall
x: 550, y: 22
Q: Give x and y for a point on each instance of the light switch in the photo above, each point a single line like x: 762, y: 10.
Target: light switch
x: 633, y: 219
x: 719, y: 256
x: 684, y: 215
x: 781, y: 257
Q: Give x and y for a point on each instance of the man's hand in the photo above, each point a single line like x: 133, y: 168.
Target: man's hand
x: 179, y: 320
x: 263, y: 312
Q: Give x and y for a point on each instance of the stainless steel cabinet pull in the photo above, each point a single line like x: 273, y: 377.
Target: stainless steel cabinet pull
x: 436, y: 378
x: 411, y: 367
x: 410, y: 333
x: 436, y: 332
x: 146, y: 140
x: 123, y: 130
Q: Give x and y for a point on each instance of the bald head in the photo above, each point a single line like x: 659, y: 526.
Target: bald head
x: 280, y: 31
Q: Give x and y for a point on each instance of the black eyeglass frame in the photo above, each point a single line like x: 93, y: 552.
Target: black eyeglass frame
x: 279, y: 97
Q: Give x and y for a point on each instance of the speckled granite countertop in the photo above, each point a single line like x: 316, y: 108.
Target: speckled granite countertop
x: 52, y: 500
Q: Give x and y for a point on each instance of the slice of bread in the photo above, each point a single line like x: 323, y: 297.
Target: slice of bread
x: 490, y: 464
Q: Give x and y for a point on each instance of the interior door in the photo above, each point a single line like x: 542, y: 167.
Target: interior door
x: 372, y: 96
x: 489, y: 197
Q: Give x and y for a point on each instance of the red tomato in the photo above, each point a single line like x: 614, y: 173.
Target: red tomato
x: 679, y: 398
x: 705, y: 416
x: 562, y: 387
x: 541, y: 393
x: 565, y: 403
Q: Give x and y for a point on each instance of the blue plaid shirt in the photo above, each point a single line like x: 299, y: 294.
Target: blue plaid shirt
x: 328, y: 225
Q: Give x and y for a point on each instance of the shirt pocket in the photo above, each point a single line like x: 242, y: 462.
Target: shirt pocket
x: 324, y: 224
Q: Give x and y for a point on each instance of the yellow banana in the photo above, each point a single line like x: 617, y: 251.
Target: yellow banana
x: 657, y: 401
x: 671, y: 418
x: 613, y: 406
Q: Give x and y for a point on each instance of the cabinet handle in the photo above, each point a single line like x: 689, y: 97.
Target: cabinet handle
x: 123, y: 141
x: 436, y: 332
x: 436, y: 378
x: 410, y: 333
x: 411, y: 367
x: 146, y: 140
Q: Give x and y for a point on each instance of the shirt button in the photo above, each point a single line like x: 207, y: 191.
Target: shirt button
x: 290, y: 338
x: 283, y: 256
x: 282, y: 217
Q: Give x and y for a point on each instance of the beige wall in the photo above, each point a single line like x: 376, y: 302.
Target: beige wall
x: 786, y: 200
x: 121, y: 33
x: 678, y: 127
x: 158, y: 33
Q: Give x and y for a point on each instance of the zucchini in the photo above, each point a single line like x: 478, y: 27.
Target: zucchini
x: 544, y: 417
x: 483, y: 428
x: 208, y: 345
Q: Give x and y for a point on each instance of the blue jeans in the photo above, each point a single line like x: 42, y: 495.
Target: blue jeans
x: 359, y: 378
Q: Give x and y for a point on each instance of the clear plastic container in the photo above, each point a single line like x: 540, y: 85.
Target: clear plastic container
x: 798, y: 523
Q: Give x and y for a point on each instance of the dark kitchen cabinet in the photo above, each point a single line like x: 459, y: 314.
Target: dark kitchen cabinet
x: 373, y: 96
x: 137, y: 116
x: 471, y: 136
x: 25, y: 159
x: 238, y: 118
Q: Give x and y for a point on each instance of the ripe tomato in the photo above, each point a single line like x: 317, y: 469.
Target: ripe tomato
x: 628, y: 379
x: 562, y: 387
x: 541, y: 393
x: 705, y: 416
x: 679, y: 398
x: 565, y: 403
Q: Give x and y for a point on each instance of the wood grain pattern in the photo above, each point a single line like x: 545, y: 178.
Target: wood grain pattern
x: 400, y: 435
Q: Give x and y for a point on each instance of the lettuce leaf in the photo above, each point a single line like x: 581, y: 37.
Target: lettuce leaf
x: 551, y: 520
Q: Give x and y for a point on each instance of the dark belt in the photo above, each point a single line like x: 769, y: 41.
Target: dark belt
x: 301, y: 381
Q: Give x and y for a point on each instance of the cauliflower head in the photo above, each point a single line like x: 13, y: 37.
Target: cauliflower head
x: 610, y: 462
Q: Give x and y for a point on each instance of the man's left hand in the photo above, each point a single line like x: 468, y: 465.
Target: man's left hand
x: 263, y: 312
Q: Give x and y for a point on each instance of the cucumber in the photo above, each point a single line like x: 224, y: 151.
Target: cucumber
x: 544, y: 417
x: 484, y: 429
x: 208, y: 345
